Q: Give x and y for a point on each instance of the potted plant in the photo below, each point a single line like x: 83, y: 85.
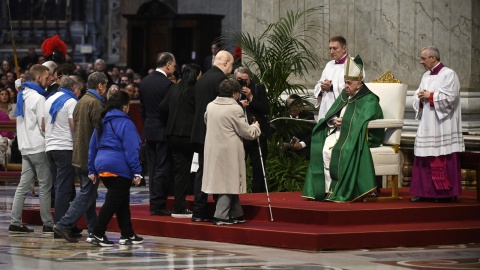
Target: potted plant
x: 282, y: 52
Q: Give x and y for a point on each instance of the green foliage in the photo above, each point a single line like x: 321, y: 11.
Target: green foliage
x: 285, y: 170
x: 283, y: 51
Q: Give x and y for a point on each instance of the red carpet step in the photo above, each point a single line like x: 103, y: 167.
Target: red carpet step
x: 311, y: 225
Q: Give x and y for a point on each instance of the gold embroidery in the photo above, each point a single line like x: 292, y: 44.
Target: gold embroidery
x: 387, y: 77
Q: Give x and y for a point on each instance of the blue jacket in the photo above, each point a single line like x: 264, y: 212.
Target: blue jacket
x: 117, y: 151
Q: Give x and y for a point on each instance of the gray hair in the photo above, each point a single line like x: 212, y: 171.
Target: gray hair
x: 69, y: 82
x: 95, y: 79
x: 432, y: 51
x: 163, y: 58
x: 243, y: 70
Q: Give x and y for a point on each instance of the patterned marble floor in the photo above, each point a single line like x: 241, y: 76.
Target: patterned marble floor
x: 37, y: 251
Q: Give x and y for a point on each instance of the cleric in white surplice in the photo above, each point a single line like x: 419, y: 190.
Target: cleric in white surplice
x: 436, y: 172
x: 332, y: 82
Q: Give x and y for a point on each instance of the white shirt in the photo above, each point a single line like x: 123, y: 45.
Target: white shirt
x: 161, y: 71
x: 58, y: 135
x: 335, y: 73
x: 440, y: 129
x: 31, y: 139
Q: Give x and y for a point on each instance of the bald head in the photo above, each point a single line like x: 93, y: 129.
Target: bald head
x: 224, y: 61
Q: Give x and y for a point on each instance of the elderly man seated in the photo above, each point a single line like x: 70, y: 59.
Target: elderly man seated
x: 341, y: 167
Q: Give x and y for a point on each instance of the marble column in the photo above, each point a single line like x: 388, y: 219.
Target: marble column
x: 113, y: 51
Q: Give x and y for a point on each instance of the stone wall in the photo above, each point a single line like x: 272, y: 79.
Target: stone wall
x: 389, y: 35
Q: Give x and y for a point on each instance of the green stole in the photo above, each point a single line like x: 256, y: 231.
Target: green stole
x: 351, y: 165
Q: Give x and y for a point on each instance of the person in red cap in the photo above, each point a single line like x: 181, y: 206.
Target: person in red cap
x: 54, y: 49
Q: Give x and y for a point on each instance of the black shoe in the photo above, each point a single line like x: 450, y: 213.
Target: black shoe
x: 65, y: 234
x: 19, y: 229
x: 101, y: 241
x: 238, y: 220
x: 417, y: 199
x: 47, y: 229
x: 202, y: 219
x: 75, y: 229
x: 186, y: 213
x: 444, y: 200
x: 134, y: 240
x: 161, y: 212
x: 219, y: 221
x: 76, y: 232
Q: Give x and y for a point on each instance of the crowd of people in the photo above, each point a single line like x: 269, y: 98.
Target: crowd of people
x: 73, y: 123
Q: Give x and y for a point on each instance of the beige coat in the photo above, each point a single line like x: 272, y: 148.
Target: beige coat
x: 224, y: 158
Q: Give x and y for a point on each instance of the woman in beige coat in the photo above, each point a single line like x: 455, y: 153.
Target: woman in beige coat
x: 224, y: 169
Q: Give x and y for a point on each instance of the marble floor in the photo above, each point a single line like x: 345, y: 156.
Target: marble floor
x: 38, y: 251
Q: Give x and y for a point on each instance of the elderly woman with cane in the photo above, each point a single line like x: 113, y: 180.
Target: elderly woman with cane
x: 224, y: 171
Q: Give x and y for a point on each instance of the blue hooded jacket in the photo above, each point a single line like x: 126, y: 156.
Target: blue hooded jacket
x: 117, y: 151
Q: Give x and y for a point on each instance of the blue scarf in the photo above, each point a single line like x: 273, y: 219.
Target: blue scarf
x: 31, y: 85
x: 97, y: 95
x: 58, y: 103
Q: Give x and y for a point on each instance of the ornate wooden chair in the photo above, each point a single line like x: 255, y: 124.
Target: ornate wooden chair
x: 386, y: 158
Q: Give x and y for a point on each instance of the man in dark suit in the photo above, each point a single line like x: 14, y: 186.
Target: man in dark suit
x: 300, y: 143
x: 206, y: 90
x: 208, y: 61
x: 153, y: 90
x: 253, y: 98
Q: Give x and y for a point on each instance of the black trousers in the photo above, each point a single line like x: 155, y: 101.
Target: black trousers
x: 182, y: 154
x: 200, y: 198
x: 117, y: 201
x: 158, y: 160
x: 251, y: 150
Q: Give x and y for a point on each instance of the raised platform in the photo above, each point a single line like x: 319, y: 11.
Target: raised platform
x: 311, y: 225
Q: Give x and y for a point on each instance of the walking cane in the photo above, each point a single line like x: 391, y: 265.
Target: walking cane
x: 263, y: 170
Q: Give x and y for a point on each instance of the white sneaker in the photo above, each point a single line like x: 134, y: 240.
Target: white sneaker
x: 186, y: 213
x: 89, y: 238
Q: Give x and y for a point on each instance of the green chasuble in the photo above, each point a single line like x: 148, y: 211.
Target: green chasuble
x: 351, y: 164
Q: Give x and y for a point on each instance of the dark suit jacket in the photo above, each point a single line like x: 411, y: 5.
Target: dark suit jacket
x: 206, y: 90
x: 207, y: 63
x: 258, y: 107
x: 153, y: 90
x: 179, y: 105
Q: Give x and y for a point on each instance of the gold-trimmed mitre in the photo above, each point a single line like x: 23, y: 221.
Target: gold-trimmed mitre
x: 354, y: 69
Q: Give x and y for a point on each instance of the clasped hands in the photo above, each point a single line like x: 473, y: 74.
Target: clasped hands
x: 337, y: 122
x: 423, y: 95
x: 326, y: 85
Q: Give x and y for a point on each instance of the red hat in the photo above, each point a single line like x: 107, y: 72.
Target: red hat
x: 54, y: 45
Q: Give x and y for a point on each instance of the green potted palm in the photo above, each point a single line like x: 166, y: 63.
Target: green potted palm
x: 282, y: 52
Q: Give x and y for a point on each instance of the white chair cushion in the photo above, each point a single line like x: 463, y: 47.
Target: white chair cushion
x: 385, y: 160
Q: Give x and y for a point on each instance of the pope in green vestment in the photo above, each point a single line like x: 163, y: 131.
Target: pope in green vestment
x: 351, y: 166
